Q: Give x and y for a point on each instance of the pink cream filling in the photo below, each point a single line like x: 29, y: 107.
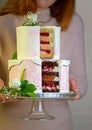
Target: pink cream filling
x: 46, y: 51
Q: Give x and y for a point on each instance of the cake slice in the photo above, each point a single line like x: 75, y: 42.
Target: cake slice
x: 50, y: 76
x: 46, y: 42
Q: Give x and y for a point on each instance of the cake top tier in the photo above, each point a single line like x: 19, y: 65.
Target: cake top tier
x: 35, y: 42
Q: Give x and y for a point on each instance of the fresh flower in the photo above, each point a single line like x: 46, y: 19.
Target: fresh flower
x: 15, y: 84
x: 31, y: 19
x: 18, y: 87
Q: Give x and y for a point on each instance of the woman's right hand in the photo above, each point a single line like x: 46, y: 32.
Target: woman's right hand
x: 3, y: 98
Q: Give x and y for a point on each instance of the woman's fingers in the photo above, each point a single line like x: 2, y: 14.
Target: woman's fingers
x: 1, y: 83
x: 74, y: 87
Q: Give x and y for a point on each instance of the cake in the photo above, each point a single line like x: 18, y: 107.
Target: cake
x: 38, y: 53
x: 49, y: 42
x: 28, y: 42
x: 50, y: 76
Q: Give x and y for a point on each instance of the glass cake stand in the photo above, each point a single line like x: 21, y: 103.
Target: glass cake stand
x: 38, y: 111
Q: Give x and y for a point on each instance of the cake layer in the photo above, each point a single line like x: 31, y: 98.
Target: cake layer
x: 48, y: 76
x: 38, y: 42
x: 46, y: 51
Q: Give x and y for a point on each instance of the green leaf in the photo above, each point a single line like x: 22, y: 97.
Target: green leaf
x: 26, y: 90
x: 14, y: 56
x: 21, y: 93
x: 22, y: 75
x: 30, y: 88
x: 31, y: 94
x: 24, y: 83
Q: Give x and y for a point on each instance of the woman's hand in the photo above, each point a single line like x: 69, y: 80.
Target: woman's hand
x: 74, y: 87
x: 3, y: 98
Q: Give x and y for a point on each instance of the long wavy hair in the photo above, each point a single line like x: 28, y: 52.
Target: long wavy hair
x: 62, y: 10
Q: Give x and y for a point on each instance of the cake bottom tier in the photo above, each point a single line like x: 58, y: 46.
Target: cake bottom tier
x: 48, y: 75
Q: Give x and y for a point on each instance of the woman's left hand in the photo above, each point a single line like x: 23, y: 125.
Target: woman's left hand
x: 74, y: 87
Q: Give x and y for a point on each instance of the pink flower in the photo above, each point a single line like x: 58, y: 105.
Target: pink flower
x: 1, y: 83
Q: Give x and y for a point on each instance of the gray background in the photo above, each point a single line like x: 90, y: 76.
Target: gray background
x: 82, y: 110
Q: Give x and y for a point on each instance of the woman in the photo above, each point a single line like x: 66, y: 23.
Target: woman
x: 52, y: 12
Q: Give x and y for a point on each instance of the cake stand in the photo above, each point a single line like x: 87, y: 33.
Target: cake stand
x: 38, y: 111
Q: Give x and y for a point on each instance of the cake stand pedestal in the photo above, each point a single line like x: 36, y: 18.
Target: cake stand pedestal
x: 38, y: 111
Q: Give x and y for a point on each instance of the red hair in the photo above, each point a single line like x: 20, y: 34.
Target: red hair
x: 62, y: 10
x: 18, y: 7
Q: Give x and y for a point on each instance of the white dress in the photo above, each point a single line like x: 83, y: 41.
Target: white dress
x: 72, y: 48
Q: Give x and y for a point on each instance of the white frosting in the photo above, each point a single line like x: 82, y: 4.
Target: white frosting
x: 66, y: 62
x: 28, y: 40
x: 64, y: 76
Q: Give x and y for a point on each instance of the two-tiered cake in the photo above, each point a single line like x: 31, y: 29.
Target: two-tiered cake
x: 38, y: 53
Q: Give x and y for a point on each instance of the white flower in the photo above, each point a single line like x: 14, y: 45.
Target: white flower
x: 33, y: 17
x: 15, y: 83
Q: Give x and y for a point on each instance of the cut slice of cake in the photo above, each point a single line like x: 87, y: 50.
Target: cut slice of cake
x: 46, y: 42
x: 50, y: 76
